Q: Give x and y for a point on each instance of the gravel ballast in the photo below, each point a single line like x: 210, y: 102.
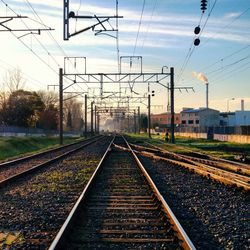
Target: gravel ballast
x: 214, y: 216
x: 33, y: 209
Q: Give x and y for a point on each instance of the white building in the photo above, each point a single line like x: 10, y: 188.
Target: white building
x: 237, y: 118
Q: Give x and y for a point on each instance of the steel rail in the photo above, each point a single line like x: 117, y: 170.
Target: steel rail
x: 233, y: 168
x: 58, y: 240
x: 218, y: 174
x: 45, y: 164
x: 30, y: 157
x: 186, y: 242
x: 239, y: 165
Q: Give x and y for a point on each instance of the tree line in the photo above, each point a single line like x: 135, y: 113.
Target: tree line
x: 35, y: 109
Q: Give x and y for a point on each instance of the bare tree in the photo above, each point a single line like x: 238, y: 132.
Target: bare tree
x: 14, y: 80
x: 48, y: 98
x: 75, y: 109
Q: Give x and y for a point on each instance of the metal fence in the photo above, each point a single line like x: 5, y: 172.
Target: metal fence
x: 226, y: 130
x: 22, y: 131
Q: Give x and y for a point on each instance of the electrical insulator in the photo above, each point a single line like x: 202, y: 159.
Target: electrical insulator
x: 196, y: 42
x: 197, y: 30
x: 71, y: 14
x: 203, y: 5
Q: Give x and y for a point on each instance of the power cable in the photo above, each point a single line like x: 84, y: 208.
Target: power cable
x: 52, y: 37
x: 226, y: 26
x: 151, y: 17
x: 139, y: 27
x: 28, y: 76
x: 225, y: 57
x: 191, y: 49
x: 230, y: 65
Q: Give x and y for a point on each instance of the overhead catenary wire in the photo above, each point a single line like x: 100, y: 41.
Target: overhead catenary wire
x: 139, y: 26
x: 30, y: 49
x: 52, y: 37
x: 27, y: 45
x: 149, y: 24
x: 27, y: 75
x: 225, y: 57
x: 226, y: 26
x: 117, y: 37
x: 192, y: 47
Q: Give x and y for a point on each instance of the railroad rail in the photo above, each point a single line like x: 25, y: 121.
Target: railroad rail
x: 121, y: 208
x: 12, y: 170
x: 227, y: 172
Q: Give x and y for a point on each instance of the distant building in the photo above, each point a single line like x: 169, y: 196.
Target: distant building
x: 202, y: 117
x: 164, y: 119
x: 237, y: 118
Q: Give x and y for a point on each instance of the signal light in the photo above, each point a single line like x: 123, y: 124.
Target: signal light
x: 153, y: 93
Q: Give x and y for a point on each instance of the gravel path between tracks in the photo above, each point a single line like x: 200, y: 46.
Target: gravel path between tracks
x: 33, y: 209
x: 214, y: 216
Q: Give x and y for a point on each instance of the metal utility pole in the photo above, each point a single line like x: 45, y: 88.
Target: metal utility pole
x: 86, y: 111
x: 98, y: 123
x: 61, y: 105
x: 95, y: 120
x: 139, y: 120
x: 149, y: 117
x: 92, y: 114
x: 134, y: 121
x: 128, y: 124
x: 172, y: 103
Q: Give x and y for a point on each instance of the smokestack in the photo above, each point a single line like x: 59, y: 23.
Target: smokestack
x: 207, y: 95
x: 242, y: 105
x: 203, y: 78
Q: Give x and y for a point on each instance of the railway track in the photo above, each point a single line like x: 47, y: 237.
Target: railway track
x: 227, y: 172
x: 121, y: 208
x: 12, y: 170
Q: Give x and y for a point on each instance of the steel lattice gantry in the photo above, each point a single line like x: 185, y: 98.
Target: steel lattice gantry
x: 117, y: 77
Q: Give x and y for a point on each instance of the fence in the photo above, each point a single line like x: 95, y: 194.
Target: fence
x: 225, y: 130
x: 22, y: 131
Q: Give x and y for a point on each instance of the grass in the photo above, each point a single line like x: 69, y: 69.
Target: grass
x: 19, y: 146
x: 226, y: 150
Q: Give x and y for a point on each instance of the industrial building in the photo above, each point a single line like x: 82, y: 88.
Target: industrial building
x: 202, y: 117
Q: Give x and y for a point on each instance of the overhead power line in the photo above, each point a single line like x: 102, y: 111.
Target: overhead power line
x: 192, y: 47
x: 139, y: 27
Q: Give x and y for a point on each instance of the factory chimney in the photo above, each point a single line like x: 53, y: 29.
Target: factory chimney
x: 242, y: 105
x: 203, y: 78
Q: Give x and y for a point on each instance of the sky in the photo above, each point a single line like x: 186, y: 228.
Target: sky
x: 161, y: 31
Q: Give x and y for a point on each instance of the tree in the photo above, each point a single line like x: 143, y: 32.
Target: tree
x: 49, y: 98
x: 14, y: 80
x: 144, y: 122
x: 74, y: 114
x: 49, y: 116
x: 69, y: 120
x: 23, y: 108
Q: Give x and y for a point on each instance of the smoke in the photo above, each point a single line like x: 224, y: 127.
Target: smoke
x: 200, y: 76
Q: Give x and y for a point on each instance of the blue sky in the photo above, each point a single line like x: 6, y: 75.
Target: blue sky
x: 165, y: 38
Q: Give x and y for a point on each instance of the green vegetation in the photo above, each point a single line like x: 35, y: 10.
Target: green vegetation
x: 18, y: 146
x: 226, y: 150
